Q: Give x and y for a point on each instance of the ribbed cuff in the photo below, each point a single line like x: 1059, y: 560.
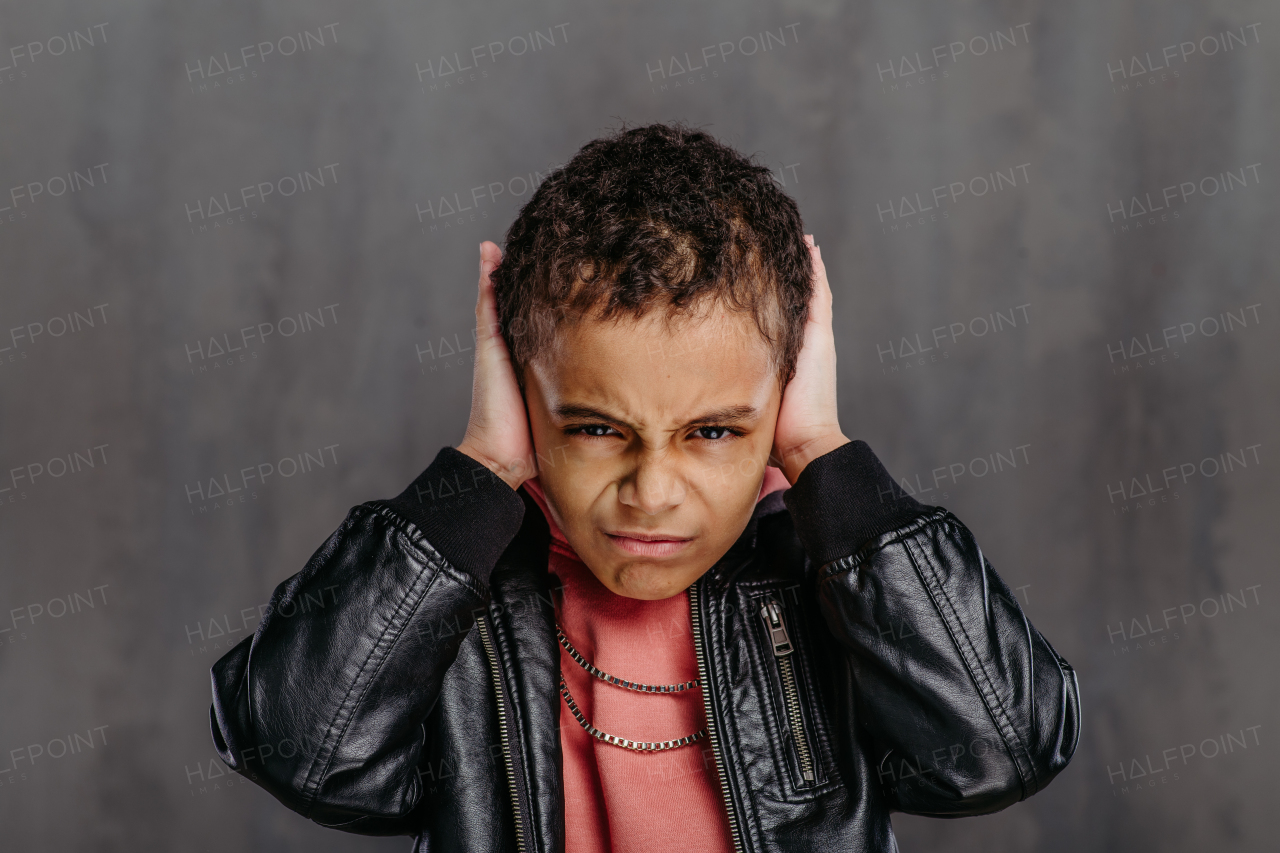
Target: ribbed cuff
x: 467, y: 513
x: 844, y: 498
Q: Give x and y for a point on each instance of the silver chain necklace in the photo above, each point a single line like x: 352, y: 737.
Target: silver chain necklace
x: 636, y: 746
x: 630, y: 685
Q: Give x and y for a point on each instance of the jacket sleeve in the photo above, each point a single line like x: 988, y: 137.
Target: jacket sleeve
x: 324, y: 705
x: 966, y: 707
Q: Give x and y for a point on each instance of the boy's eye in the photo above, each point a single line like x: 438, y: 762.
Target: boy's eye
x: 710, y: 433
x: 592, y: 430
x: 714, y: 433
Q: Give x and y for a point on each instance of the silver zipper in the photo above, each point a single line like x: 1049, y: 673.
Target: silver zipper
x: 503, y: 733
x: 771, y: 612
x: 696, y: 620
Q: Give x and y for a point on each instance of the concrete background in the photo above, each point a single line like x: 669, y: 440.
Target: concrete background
x: 377, y: 389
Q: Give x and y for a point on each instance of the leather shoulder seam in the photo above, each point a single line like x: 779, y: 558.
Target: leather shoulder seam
x: 973, y: 664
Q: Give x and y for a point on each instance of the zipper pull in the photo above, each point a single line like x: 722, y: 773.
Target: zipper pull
x: 771, y: 612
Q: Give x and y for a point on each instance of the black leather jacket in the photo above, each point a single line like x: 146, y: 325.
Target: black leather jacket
x: 860, y: 657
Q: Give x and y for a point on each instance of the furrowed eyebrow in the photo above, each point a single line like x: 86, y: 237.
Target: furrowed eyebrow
x: 727, y: 415
x: 719, y: 417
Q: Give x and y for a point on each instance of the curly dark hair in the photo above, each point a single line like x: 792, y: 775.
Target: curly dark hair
x: 655, y: 216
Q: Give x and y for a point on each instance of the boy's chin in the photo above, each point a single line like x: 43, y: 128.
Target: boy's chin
x: 647, y: 582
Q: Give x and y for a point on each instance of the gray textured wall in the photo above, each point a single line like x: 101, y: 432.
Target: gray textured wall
x: 111, y: 153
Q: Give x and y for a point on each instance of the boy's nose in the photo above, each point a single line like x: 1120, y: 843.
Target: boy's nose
x: 654, y: 486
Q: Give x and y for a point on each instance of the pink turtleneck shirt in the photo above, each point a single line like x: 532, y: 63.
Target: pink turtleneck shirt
x: 617, y: 799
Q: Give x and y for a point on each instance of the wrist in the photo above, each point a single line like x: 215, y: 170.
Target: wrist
x: 795, y: 459
x: 459, y: 508
x: 513, y: 473
x: 845, y: 499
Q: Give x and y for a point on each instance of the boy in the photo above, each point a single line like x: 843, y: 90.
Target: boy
x: 605, y: 621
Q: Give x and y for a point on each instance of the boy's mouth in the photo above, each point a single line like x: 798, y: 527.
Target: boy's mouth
x: 643, y: 544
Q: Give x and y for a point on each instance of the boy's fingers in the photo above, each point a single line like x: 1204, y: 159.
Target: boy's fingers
x: 489, y: 253
x: 486, y: 305
x: 819, y: 271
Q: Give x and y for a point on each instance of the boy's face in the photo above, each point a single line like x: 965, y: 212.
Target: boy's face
x: 635, y: 431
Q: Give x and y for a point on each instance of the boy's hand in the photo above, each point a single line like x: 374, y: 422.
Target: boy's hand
x: 498, y: 430
x: 808, y: 422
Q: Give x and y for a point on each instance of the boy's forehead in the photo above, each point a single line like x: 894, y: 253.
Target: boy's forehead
x: 660, y: 334
x: 651, y: 366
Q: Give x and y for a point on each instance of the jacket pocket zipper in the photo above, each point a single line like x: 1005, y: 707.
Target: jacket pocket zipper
x: 503, y: 732
x: 771, y: 612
